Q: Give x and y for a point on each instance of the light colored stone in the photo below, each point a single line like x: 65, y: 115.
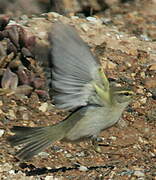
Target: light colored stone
x: 153, y: 67
x: 12, y: 171
x: 80, y: 154
x: 43, y: 154
x: 142, y: 74
x: 5, y: 167
x: 53, y: 178
x: 139, y: 173
x: 92, y: 19
x: 142, y: 140
x: 11, y: 114
x: 143, y: 100
x: 25, y: 116
x: 108, y: 64
x: 1, y: 132
x: 113, y: 138
x: 83, y: 168
x: 52, y: 15
x: 49, y: 178
x: 85, y: 27
x: 43, y: 107
x: 140, y: 90
x: 68, y: 155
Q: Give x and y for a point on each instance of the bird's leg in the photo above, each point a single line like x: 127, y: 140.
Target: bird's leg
x: 95, y: 143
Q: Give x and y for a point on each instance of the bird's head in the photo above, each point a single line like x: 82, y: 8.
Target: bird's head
x: 111, y: 94
x: 122, y: 94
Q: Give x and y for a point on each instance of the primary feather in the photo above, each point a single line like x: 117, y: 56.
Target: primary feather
x: 73, y: 68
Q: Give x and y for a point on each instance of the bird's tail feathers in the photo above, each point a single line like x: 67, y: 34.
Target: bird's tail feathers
x: 35, y: 138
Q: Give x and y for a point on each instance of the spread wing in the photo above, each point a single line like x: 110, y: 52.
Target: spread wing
x: 73, y: 68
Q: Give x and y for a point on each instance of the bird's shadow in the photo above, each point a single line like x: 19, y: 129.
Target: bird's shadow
x: 34, y: 171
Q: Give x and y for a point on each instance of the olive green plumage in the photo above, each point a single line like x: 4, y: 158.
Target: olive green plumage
x: 78, y: 84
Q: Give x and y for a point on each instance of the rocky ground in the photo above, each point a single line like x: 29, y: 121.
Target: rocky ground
x: 124, y: 39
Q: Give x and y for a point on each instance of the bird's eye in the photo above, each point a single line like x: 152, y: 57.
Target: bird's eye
x: 126, y: 93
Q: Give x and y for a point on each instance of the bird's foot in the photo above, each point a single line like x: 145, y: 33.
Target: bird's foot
x: 95, y: 144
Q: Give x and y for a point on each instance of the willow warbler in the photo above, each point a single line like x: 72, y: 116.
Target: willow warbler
x: 78, y: 84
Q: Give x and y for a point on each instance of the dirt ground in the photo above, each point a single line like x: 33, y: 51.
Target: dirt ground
x: 124, y: 39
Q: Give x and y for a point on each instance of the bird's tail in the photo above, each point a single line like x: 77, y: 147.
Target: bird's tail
x: 35, y: 139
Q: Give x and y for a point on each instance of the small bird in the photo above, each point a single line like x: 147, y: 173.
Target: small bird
x: 78, y: 84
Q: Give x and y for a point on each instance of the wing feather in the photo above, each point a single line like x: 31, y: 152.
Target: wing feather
x: 73, y: 68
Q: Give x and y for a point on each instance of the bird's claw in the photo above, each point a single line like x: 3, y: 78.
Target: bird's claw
x: 95, y: 144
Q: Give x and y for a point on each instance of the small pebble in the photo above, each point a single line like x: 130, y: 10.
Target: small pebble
x: 80, y: 154
x: 126, y: 172
x: 74, y: 17
x: 136, y: 146
x: 24, y: 17
x: 106, y: 20
x: 152, y: 154
x: 22, y: 108
x: 53, y: 15
x: 68, y: 155
x: 113, y: 138
x: 136, y: 104
x: 53, y: 178
x: 142, y: 140
x: 11, y: 114
x: 56, y: 148
x: 85, y: 27
x: 5, y: 167
x: 89, y: 18
x: 1, y: 132
x: 143, y: 100
x: 149, y: 94
x: 128, y: 64
x: 11, y: 22
x: 43, y: 154
x: 142, y: 74
x: 111, y: 65
x: 25, y: 116
x: 147, y: 130
x: 122, y: 123
x: 49, y: 178
x: 133, y: 74
x: 139, y: 173
x: 83, y: 168
x: 43, y: 107
x: 144, y: 37
x: 93, y: 20
x: 153, y: 67
x: 12, y: 171
x: 140, y: 91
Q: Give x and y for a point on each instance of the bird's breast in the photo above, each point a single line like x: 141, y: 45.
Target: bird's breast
x: 95, y: 120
